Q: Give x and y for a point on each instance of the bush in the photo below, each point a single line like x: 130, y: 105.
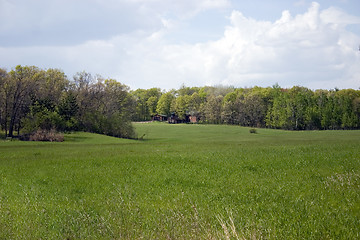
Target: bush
x: 252, y: 130
x: 46, y: 136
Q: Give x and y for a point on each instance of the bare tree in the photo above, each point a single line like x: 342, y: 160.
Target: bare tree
x: 21, y: 85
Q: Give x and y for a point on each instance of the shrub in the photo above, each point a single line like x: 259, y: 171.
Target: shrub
x: 47, y: 136
x: 252, y: 130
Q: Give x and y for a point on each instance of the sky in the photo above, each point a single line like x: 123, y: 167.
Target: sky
x: 171, y: 43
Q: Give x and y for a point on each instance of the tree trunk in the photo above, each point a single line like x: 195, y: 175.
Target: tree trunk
x: 11, y: 127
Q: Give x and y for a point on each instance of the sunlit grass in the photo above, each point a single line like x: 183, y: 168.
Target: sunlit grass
x: 183, y: 182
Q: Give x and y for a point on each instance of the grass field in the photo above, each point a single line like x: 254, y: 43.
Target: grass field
x: 183, y: 182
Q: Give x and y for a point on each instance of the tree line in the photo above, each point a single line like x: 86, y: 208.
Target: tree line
x: 32, y: 98
x: 297, y: 108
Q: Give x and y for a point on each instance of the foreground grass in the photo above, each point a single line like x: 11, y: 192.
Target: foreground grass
x: 183, y: 182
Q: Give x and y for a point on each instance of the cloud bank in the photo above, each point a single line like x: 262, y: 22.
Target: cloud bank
x: 312, y: 49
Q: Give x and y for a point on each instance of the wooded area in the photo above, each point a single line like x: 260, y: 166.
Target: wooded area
x: 32, y: 98
x: 297, y: 108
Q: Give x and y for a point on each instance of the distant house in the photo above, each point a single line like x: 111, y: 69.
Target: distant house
x: 160, y: 118
x: 193, y: 119
x: 175, y: 119
x: 188, y: 119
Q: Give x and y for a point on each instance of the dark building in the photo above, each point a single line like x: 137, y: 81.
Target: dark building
x: 160, y: 118
x: 188, y: 119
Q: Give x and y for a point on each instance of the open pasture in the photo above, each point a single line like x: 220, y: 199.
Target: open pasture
x: 183, y: 182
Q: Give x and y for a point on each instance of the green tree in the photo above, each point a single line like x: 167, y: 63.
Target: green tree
x: 68, y: 109
x: 152, y: 104
x: 278, y: 113
x: 104, y: 105
x: 118, y: 109
x: 346, y: 100
x: 53, y: 84
x: 212, y: 109
x: 182, y: 106
x: 22, y: 85
x: 186, y: 90
x: 4, y: 81
x: 299, y: 102
x: 254, y: 109
x: 141, y: 97
x: 195, y: 103
x: 42, y: 115
x: 44, y: 112
x: 229, y: 108
x: 356, y: 108
x: 164, y: 104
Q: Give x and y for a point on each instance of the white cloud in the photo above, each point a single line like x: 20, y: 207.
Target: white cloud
x: 68, y: 22
x: 337, y: 17
x: 313, y: 49
x: 181, y: 8
x: 300, y: 3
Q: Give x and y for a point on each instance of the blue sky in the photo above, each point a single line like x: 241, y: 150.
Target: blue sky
x: 158, y: 43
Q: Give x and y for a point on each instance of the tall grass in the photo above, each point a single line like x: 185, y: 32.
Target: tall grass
x: 183, y: 182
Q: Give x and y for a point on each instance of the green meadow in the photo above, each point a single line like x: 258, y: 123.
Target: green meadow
x: 183, y: 182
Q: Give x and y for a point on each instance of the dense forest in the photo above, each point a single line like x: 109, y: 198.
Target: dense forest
x: 32, y: 98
